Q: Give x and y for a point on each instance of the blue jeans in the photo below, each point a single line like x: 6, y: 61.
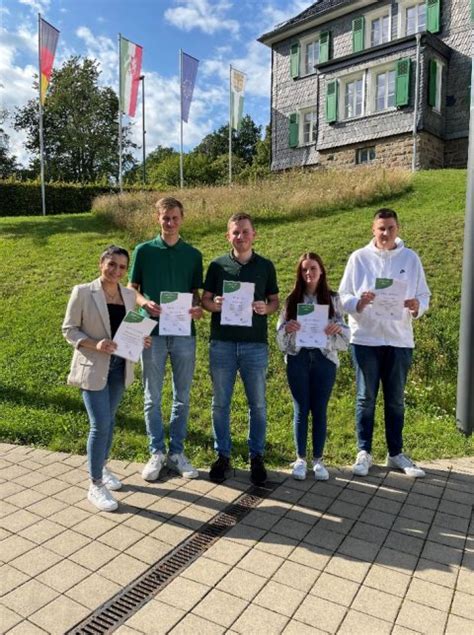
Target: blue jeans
x: 251, y: 360
x: 182, y: 354
x: 101, y: 406
x: 389, y: 365
x: 311, y: 378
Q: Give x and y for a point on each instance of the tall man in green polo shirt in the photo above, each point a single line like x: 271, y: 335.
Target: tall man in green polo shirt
x: 240, y: 348
x: 167, y: 263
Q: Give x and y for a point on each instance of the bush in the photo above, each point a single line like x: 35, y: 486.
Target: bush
x: 23, y: 198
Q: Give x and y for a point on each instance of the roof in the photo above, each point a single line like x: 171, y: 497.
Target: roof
x: 318, y: 8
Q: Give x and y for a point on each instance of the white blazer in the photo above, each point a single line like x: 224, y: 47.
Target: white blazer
x: 87, y: 316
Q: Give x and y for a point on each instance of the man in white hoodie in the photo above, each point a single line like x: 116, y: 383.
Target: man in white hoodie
x: 382, y: 349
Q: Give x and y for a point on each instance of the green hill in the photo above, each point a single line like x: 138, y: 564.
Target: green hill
x: 42, y: 258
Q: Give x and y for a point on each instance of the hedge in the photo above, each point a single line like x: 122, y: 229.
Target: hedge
x: 23, y: 198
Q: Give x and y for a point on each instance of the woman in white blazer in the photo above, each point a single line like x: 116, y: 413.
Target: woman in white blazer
x: 93, y: 315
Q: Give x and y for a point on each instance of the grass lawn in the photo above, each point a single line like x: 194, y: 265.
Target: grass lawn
x: 42, y: 258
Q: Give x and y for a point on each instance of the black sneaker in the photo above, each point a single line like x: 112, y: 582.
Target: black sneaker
x: 219, y: 468
x: 258, y: 473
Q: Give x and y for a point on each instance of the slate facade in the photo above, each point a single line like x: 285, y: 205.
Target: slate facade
x: 382, y: 82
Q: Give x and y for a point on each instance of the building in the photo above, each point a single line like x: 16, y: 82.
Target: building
x: 372, y: 82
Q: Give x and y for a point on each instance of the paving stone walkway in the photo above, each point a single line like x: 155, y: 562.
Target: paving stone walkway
x: 381, y: 554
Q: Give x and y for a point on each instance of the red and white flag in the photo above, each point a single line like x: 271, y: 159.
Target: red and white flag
x: 130, y: 71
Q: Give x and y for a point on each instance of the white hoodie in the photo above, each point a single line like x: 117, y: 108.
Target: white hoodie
x: 363, y: 267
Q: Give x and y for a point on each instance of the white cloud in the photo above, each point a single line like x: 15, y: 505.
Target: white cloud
x: 273, y: 16
x: 105, y: 50
x: 37, y: 5
x: 202, y: 14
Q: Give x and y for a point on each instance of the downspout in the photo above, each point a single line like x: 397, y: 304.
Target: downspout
x: 415, y: 109
x: 318, y: 92
x: 273, y: 135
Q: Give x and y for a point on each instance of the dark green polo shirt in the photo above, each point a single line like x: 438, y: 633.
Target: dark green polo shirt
x: 157, y: 266
x: 258, y: 270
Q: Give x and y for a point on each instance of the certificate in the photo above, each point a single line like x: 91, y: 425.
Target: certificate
x: 313, y: 319
x: 129, y: 336
x: 175, y: 318
x: 389, y: 299
x: 237, y: 305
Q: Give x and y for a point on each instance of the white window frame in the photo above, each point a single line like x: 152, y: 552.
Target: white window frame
x: 383, y: 12
x: 343, y: 82
x: 372, y: 87
x: 439, y: 85
x: 302, y: 112
x: 366, y: 149
x: 304, y: 43
x: 403, y: 5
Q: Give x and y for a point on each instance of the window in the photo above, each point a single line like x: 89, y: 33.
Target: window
x: 353, y: 97
x: 308, y: 119
x: 435, y: 79
x: 365, y: 155
x: 310, y: 51
x: 379, y: 27
x: 385, y: 90
x: 380, y: 30
x: 412, y: 17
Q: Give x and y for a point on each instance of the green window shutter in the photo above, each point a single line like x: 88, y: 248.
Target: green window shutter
x: 432, y: 78
x: 472, y: 10
x: 295, y: 60
x: 403, y: 76
x: 358, y: 30
x: 325, y: 46
x: 293, y: 136
x: 331, y: 102
x: 433, y: 16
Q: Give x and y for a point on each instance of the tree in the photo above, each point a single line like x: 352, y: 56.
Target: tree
x: 263, y: 151
x: 244, y: 141
x: 80, y: 121
x: 8, y: 164
x: 198, y: 169
x: 152, y: 161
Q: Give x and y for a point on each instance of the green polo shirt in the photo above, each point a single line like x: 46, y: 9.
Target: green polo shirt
x: 157, y: 266
x: 258, y: 270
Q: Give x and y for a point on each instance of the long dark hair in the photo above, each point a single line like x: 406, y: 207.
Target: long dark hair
x: 323, y: 292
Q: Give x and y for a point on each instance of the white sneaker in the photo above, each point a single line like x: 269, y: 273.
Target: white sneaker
x: 405, y: 464
x: 110, y: 481
x: 320, y: 472
x: 363, y: 463
x: 299, y: 469
x: 179, y: 463
x: 153, y: 468
x: 100, y: 496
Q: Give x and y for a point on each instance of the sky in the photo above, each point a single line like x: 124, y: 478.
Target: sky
x: 217, y: 32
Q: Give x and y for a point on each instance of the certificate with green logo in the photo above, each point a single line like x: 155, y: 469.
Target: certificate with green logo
x: 390, y: 295
x: 130, y: 335
x: 175, y: 318
x: 237, y: 303
x: 313, y: 319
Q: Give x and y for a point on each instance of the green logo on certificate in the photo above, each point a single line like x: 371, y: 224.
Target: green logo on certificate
x: 133, y: 317
x: 305, y: 309
x: 168, y: 296
x: 230, y: 286
x: 383, y: 283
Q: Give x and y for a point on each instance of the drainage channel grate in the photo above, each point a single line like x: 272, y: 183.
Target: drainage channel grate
x: 126, y: 602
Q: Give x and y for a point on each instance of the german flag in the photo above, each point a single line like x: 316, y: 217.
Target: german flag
x: 48, y: 40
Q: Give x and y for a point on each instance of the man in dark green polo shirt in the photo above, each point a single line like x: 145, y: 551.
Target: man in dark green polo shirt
x: 240, y: 348
x: 167, y: 263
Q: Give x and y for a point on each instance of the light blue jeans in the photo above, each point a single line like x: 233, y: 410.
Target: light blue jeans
x: 101, y: 406
x: 182, y: 354
x: 251, y: 360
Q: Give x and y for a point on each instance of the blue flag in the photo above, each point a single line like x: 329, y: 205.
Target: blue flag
x: 189, y: 67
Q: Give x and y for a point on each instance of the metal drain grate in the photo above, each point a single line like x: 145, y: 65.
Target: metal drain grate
x: 126, y: 602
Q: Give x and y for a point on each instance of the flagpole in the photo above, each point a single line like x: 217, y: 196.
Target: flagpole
x: 142, y: 78
x: 181, y: 171
x: 230, y: 124
x: 120, y: 111
x: 41, y: 141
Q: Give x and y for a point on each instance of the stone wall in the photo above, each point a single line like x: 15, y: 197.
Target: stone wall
x: 455, y: 153
x: 391, y: 152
